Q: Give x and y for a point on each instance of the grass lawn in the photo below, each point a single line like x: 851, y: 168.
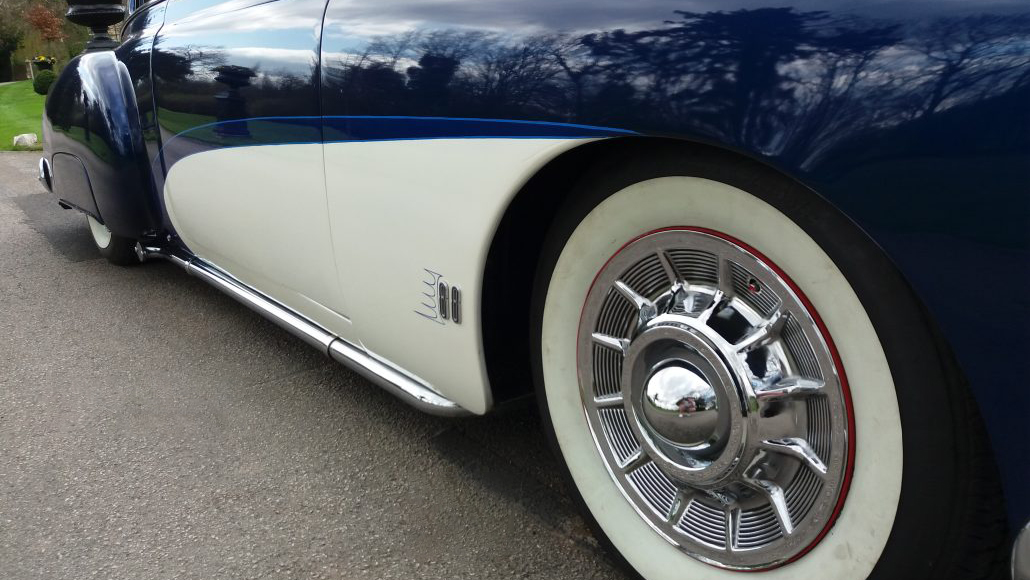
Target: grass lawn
x: 21, y: 111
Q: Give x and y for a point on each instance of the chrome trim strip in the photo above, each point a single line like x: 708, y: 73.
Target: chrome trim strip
x: 402, y: 385
x: 407, y: 388
x: 307, y: 331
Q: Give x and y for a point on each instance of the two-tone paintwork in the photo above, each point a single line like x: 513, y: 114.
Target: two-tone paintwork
x: 910, y: 116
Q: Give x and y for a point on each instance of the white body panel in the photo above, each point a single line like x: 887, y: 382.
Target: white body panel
x: 260, y: 214
x: 352, y: 248
x: 400, y: 208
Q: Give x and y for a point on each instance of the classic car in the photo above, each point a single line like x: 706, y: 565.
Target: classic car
x: 763, y: 265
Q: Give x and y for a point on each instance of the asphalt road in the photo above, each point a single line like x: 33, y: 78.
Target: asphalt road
x: 150, y: 427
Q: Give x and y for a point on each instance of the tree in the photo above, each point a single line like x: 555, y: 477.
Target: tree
x: 48, y: 24
x: 12, y: 30
x: 970, y: 56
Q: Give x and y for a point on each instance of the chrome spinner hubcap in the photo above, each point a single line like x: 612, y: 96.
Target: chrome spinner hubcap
x: 714, y: 399
x: 681, y: 406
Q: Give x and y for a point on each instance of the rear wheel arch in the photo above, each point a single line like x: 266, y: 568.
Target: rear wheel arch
x: 114, y: 158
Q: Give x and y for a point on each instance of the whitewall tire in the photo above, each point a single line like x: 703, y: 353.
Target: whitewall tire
x: 101, y: 235
x: 116, y: 249
x: 674, y: 207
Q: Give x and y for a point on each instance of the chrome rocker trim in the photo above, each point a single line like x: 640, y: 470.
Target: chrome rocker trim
x: 395, y: 381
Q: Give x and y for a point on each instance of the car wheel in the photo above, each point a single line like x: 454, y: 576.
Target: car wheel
x: 115, y: 248
x: 736, y: 379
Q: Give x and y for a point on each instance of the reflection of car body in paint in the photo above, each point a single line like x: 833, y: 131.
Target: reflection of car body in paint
x: 342, y: 158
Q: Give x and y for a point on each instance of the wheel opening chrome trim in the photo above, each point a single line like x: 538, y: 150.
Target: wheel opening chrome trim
x: 404, y: 386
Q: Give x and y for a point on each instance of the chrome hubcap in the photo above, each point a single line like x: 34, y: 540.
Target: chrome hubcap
x: 714, y: 398
x: 681, y: 407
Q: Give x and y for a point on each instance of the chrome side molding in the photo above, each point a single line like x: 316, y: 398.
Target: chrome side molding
x: 286, y: 318
x: 406, y: 387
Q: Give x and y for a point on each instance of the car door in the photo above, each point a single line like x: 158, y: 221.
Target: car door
x: 236, y: 97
